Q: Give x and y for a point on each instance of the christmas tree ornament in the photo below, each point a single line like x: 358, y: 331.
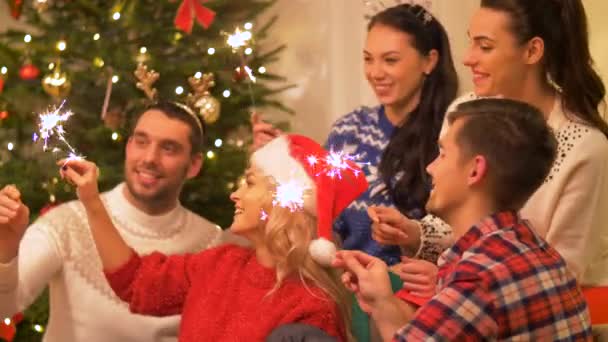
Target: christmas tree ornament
x: 114, y: 119
x: 208, y: 106
x: 16, y: 8
x: 1, y: 84
x: 145, y: 81
x: 190, y: 10
x: 3, y: 114
x: 57, y: 83
x: 41, y: 5
x: 29, y: 71
x: 239, y: 74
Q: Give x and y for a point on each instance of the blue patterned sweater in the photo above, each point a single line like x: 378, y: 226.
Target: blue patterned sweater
x: 365, y: 133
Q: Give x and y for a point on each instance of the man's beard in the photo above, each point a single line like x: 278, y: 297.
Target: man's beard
x: 163, y: 194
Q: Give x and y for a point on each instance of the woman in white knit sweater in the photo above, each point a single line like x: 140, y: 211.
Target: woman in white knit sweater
x: 538, y: 52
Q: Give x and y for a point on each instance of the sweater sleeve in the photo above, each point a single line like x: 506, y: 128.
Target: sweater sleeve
x: 578, y: 225
x: 158, y: 284
x: 23, y: 279
x: 435, y: 237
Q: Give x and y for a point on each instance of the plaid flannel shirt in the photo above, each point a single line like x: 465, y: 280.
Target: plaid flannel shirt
x: 501, y: 281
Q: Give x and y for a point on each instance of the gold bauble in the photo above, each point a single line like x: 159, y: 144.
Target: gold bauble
x: 57, y: 83
x: 209, y: 108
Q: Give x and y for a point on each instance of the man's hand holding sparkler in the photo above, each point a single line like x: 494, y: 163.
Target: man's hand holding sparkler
x: 83, y: 174
x: 14, y: 219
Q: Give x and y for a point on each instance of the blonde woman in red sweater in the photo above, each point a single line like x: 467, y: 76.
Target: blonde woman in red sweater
x: 285, y: 208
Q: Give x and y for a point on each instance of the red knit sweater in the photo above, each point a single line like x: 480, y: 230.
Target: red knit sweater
x: 222, y: 294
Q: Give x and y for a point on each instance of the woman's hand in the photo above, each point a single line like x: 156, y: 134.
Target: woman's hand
x: 263, y: 132
x: 390, y: 227
x: 83, y: 174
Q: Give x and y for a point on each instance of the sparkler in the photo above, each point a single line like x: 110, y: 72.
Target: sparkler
x: 51, y: 124
x: 335, y: 164
x: 290, y: 195
x: 237, y: 41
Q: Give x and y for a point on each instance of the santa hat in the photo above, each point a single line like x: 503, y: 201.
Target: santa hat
x: 300, y: 165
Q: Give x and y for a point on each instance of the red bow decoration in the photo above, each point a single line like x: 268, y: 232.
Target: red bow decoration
x: 16, y: 6
x: 188, y: 11
x: 8, y: 332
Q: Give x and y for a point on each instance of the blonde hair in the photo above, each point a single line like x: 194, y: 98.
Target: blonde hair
x: 287, y: 236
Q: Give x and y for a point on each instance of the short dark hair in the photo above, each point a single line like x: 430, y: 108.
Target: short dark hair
x: 516, y: 141
x: 185, y: 115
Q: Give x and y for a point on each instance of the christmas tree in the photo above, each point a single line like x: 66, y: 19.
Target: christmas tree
x: 81, y: 55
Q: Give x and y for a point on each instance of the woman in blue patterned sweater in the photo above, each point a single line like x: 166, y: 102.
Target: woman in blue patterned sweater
x: 408, y: 64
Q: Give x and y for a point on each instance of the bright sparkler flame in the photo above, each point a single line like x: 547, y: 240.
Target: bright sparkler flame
x: 290, y: 195
x: 51, y: 124
x: 238, y: 38
x: 335, y: 164
x: 263, y: 215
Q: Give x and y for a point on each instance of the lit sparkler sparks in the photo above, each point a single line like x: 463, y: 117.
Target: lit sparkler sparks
x: 238, y: 39
x: 51, y: 124
x: 335, y: 164
x: 290, y: 195
x: 263, y: 215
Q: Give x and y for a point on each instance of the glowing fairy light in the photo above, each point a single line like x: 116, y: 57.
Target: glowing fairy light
x: 7, y: 321
x: 51, y: 124
x: 290, y: 195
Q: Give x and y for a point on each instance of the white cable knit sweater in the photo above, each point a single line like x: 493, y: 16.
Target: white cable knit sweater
x: 58, y: 250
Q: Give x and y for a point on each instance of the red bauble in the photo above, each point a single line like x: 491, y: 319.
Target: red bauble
x: 29, y: 72
x: 3, y: 115
x: 239, y: 74
x: 1, y: 84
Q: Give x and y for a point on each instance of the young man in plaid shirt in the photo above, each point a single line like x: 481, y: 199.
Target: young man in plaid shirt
x: 500, y: 280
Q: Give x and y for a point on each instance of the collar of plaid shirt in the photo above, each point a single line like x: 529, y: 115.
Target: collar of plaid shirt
x: 487, y: 226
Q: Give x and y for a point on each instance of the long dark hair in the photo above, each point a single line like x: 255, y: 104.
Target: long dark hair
x: 562, y: 25
x: 413, y: 145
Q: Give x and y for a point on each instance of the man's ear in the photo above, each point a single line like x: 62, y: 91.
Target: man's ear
x: 196, y: 165
x: 478, y: 170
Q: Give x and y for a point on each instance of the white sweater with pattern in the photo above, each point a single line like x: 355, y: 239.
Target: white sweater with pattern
x: 58, y: 250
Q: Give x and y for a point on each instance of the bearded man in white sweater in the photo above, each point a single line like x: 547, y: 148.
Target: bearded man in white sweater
x: 57, y: 250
